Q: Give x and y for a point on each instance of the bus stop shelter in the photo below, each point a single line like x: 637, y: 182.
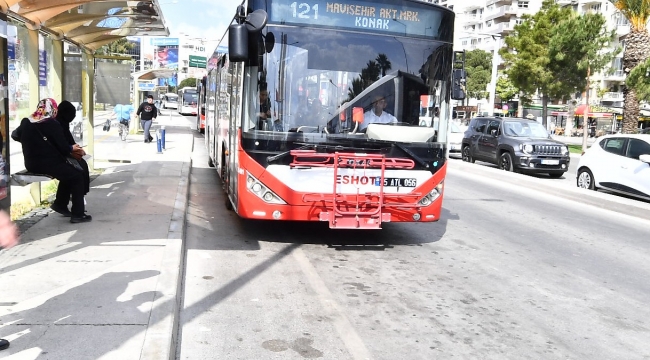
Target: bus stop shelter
x: 34, y: 63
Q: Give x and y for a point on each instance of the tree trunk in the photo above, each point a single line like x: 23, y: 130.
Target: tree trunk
x: 544, y: 110
x: 637, y: 49
x: 568, y: 127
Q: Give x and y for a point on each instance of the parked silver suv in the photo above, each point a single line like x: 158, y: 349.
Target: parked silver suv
x: 515, y: 144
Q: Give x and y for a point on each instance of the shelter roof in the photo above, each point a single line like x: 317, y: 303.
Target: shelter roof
x: 91, y: 23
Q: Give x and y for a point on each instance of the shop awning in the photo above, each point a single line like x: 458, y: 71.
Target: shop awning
x: 591, y: 114
x: 580, y: 111
x: 91, y: 23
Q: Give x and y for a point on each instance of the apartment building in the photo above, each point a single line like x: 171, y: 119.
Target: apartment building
x: 482, y: 24
x: 607, y: 87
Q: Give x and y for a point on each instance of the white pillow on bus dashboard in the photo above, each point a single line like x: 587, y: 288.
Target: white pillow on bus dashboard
x: 412, y: 134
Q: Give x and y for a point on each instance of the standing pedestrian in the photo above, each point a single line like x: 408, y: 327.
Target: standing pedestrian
x: 123, y: 115
x: 147, y: 112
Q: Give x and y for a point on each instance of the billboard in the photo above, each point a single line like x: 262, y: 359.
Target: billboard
x: 166, y: 56
x: 165, y: 52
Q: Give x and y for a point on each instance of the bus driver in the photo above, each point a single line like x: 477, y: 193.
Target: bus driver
x: 377, y: 115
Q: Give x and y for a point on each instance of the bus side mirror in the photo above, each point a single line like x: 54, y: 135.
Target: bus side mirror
x: 458, y: 84
x: 237, y: 43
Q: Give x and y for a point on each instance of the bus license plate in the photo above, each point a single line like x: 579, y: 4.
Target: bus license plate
x: 400, y: 182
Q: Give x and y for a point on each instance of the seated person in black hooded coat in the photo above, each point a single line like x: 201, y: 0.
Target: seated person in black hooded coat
x: 65, y: 115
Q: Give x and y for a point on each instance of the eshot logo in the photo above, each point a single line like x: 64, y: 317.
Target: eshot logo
x: 358, y: 180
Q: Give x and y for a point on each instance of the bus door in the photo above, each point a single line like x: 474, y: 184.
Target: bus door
x: 235, y: 122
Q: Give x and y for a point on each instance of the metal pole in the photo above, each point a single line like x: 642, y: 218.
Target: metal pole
x: 493, y: 77
x: 585, y: 121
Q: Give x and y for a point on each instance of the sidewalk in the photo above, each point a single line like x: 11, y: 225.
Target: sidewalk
x: 108, y: 289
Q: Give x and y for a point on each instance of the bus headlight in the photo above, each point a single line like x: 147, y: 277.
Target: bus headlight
x: 429, y: 198
x: 261, y: 191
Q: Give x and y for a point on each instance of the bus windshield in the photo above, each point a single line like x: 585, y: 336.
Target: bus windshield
x: 190, y: 98
x: 316, y: 81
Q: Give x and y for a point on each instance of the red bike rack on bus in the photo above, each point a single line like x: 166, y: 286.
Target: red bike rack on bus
x: 360, y: 210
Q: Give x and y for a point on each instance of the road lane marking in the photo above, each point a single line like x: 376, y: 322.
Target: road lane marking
x: 344, y: 328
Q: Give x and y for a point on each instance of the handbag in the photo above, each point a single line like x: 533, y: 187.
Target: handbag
x: 107, y: 125
x: 74, y: 163
x: 68, y: 159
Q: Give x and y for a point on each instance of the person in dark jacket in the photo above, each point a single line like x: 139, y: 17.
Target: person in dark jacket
x: 66, y: 113
x: 147, y: 112
x: 45, y: 149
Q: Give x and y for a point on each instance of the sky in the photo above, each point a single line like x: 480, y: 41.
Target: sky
x: 206, y: 19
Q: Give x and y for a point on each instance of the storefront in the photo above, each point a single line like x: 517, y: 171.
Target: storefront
x: 599, y: 122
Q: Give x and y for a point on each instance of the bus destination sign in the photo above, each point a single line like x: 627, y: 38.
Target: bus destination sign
x: 407, y: 19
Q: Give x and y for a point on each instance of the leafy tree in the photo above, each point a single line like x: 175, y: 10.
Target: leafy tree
x: 505, y: 90
x: 120, y: 46
x: 639, y: 80
x: 189, y: 82
x: 526, y: 54
x: 576, y: 52
x: 637, y: 49
x: 478, y: 64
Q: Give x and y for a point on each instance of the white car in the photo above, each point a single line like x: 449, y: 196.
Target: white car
x: 455, y: 139
x: 618, y: 163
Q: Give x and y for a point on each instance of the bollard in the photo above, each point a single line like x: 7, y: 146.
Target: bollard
x: 158, y: 142
x: 162, y: 136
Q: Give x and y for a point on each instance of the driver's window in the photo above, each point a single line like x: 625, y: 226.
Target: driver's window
x: 481, y: 124
x: 494, y: 125
x: 637, y: 148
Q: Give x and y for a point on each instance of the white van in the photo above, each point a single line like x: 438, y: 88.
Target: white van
x: 170, y: 101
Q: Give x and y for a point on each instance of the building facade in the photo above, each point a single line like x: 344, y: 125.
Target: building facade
x: 482, y: 24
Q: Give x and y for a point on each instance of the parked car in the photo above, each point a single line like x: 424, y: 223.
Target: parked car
x: 515, y: 144
x: 618, y: 163
x: 455, y: 139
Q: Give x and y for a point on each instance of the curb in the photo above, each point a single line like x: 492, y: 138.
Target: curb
x: 161, y: 335
x: 635, y: 208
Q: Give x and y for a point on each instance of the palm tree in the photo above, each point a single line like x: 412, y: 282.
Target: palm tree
x: 637, y: 49
x: 384, y: 63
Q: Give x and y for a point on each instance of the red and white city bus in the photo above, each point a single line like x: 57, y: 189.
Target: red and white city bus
x: 187, y: 101
x: 200, y: 114
x: 291, y: 130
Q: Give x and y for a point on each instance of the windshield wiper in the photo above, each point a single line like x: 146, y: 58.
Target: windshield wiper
x: 273, y: 158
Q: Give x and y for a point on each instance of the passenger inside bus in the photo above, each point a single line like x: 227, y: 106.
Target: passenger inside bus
x: 377, y: 115
x: 264, y: 113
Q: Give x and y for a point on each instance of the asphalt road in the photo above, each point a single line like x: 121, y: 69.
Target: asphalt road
x: 508, y: 273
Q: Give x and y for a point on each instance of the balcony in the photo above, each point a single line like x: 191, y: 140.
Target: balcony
x: 501, y: 12
x: 500, y: 28
x: 502, y: 2
x: 622, y: 30
x: 617, y: 75
x: 613, y: 96
x: 471, y: 19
